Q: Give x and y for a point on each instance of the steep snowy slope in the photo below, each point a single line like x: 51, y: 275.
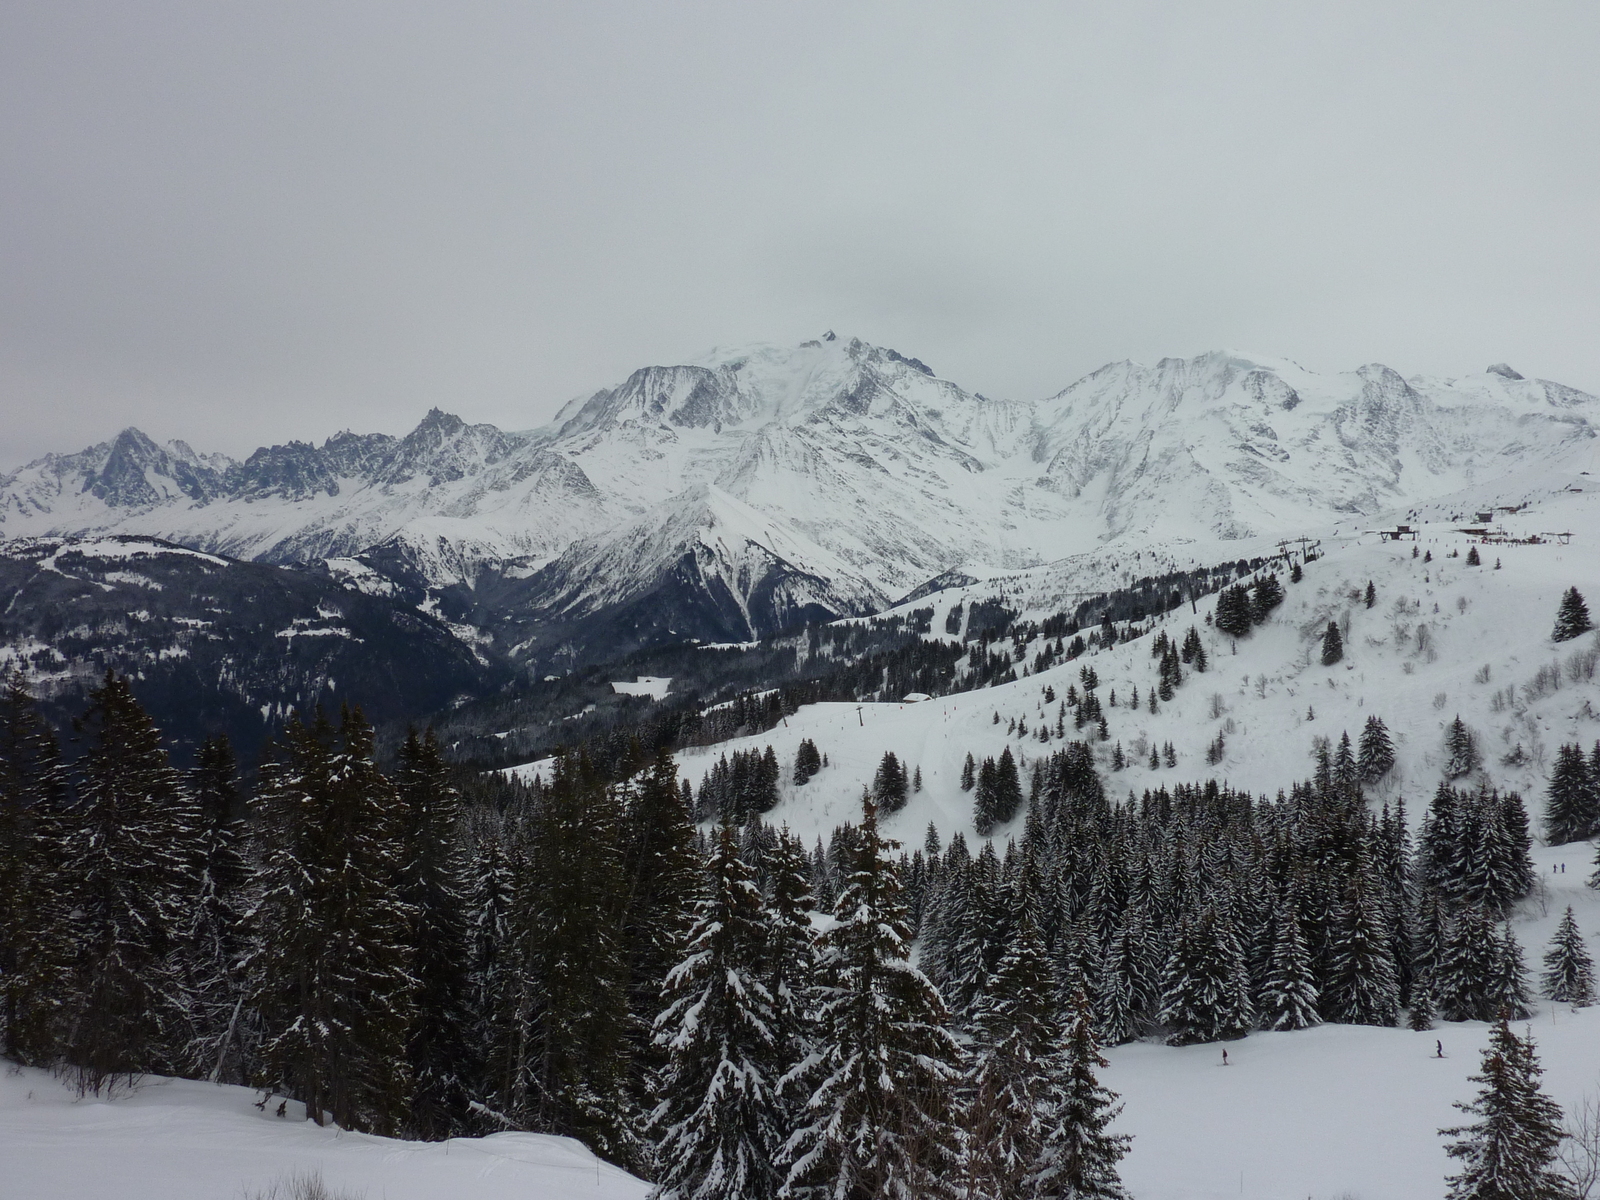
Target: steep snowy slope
x: 1235, y: 446
x: 884, y: 474
x: 1442, y: 639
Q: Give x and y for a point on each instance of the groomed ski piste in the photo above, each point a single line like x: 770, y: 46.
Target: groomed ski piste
x: 1335, y: 1111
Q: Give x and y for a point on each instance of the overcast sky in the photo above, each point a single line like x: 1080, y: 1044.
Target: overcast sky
x: 250, y: 222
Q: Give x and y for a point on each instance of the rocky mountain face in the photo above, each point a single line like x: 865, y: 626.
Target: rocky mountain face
x: 732, y: 497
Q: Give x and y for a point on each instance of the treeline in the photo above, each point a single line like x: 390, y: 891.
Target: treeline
x: 1198, y: 912
x: 722, y: 693
x: 576, y: 959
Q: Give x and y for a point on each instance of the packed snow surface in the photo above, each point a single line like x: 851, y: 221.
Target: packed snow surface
x: 176, y: 1139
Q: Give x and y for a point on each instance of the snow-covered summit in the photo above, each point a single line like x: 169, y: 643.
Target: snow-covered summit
x: 886, y: 473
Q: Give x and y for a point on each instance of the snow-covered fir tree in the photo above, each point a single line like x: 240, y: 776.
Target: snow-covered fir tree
x: 878, y: 1118
x: 1376, y: 757
x: 1509, y: 1152
x: 1205, y: 984
x: 1572, y: 617
x: 1289, y: 997
x: 572, y: 1061
x: 217, y: 935
x: 1013, y: 1073
x: 1332, y: 645
x: 433, y: 886
x: 330, y: 973
x: 35, y: 937
x: 131, y: 864
x: 1363, y: 986
x: 1572, y: 805
x: 1469, y: 963
x: 661, y: 875
x: 1079, y: 1157
x: 1508, y: 986
x: 791, y: 960
x: 718, y: 1121
x: 1568, y: 966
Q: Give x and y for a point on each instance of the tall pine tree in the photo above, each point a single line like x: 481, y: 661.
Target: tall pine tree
x: 719, y: 1120
x: 878, y: 1116
x: 130, y: 867
x: 1509, y: 1153
x: 330, y: 973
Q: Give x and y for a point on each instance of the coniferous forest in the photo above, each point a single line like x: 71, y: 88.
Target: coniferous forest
x: 414, y: 950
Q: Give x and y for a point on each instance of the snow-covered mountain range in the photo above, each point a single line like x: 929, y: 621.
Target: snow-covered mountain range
x: 734, y: 496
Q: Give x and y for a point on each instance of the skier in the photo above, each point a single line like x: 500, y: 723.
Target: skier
x: 1438, y: 1049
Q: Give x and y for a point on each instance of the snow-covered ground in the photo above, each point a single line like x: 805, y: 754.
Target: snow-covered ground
x: 1442, y: 639
x: 179, y: 1140
x: 1341, y: 1110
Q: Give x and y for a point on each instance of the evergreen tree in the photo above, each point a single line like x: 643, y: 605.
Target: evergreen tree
x: 330, y: 974
x: 1205, y: 984
x: 131, y: 869
x: 1122, y: 985
x: 1461, y: 750
x: 1568, y: 968
x: 1267, y: 595
x: 1289, y: 996
x: 497, y: 987
x: 877, y: 1118
x: 1012, y: 1071
x: 790, y: 972
x: 1007, y: 788
x: 572, y: 943
x: 1473, y: 558
x: 1371, y: 595
x: 1078, y: 1160
x: 662, y: 874
x: 1468, y: 965
x: 34, y: 929
x: 1233, y: 614
x: 1508, y: 986
x: 1376, y: 758
x: 218, y: 935
x: 1509, y: 1153
x: 1572, y: 810
x: 1332, y: 645
x: 1419, y: 1018
x: 968, y: 776
x: 1363, y: 986
x: 807, y: 762
x: 719, y: 1119
x: 889, y: 784
x: 433, y: 887
x: 1572, y: 618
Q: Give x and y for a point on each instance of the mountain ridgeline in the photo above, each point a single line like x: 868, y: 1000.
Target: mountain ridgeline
x: 770, y: 486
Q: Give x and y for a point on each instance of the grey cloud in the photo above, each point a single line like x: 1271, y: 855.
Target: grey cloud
x: 241, y: 223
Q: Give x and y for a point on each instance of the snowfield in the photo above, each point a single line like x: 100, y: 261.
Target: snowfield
x: 1442, y: 639
x: 174, y: 1139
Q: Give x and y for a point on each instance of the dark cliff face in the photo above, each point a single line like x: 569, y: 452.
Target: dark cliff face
x: 216, y: 645
x: 123, y: 480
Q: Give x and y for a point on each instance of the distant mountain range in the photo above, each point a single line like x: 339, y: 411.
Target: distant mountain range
x: 726, y: 499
